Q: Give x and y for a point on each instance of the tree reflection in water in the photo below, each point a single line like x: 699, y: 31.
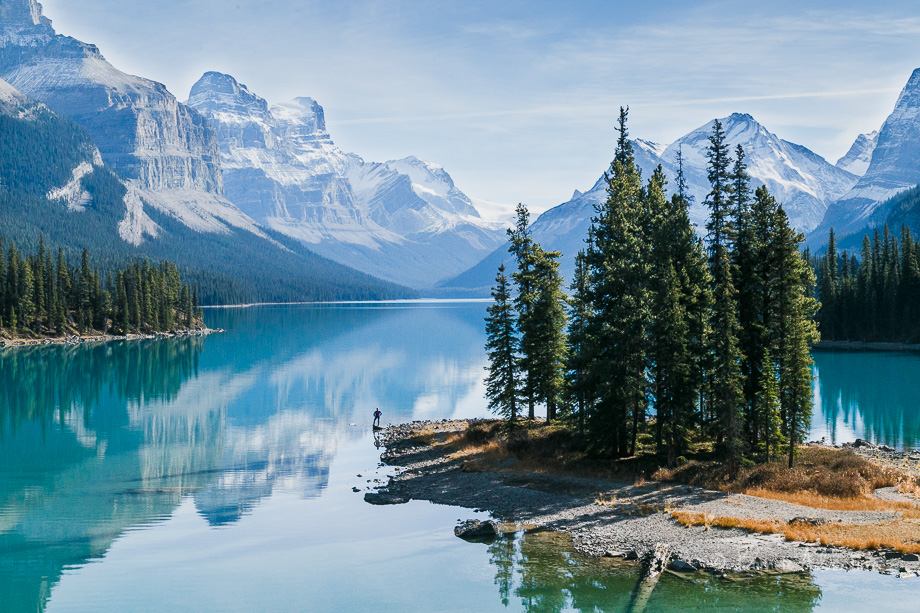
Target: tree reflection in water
x: 541, y: 572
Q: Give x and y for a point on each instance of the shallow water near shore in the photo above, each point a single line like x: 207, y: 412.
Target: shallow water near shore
x: 217, y: 474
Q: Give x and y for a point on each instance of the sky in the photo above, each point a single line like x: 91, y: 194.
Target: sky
x: 517, y: 99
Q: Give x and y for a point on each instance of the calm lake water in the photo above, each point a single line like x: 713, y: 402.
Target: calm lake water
x: 216, y: 474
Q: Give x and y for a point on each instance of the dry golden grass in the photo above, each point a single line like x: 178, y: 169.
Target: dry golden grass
x: 902, y: 534
x: 855, y: 503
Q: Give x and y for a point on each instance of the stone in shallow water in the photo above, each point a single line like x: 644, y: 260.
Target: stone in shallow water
x: 475, y: 530
x: 681, y: 566
x: 384, y: 498
x: 787, y: 566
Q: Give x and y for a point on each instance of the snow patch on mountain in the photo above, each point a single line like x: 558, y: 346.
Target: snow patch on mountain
x: 73, y: 194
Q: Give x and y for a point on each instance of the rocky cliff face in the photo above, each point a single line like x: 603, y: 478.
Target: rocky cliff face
x: 166, y: 151
x: 857, y: 159
x: 403, y: 220
x: 894, y: 167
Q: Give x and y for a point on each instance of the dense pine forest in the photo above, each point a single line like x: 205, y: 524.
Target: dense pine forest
x: 43, y: 294
x: 664, y: 336
x: 875, y: 297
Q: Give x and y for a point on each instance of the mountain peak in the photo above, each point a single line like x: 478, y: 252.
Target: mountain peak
x: 909, y: 100
x: 216, y: 92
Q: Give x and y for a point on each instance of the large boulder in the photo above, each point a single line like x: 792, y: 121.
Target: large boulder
x: 477, y: 531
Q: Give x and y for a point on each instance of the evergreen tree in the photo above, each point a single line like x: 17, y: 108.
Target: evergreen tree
x: 547, y: 364
x: 796, y: 331
x: 503, y: 380
x: 524, y: 251
x: 578, y: 343
x: 725, y: 385
x: 616, y: 259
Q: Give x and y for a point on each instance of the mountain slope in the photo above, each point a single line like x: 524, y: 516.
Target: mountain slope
x: 165, y: 200
x: 858, y: 158
x: 53, y: 180
x: 894, y: 167
x: 402, y: 220
x: 164, y: 149
x: 803, y: 181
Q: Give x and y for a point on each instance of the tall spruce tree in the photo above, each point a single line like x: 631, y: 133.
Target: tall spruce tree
x: 523, y: 249
x: 579, y: 344
x: 726, y: 396
x: 617, y: 263
x: 503, y: 379
x: 796, y: 330
x: 548, y: 320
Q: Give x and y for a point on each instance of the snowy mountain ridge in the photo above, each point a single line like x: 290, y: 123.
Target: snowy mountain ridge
x: 403, y: 220
x: 893, y: 167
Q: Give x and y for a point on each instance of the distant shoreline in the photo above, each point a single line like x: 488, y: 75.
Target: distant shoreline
x: 395, y: 301
x: 100, y: 338
x: 865, y: 346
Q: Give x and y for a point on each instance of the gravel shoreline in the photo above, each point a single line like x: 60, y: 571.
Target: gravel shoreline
x: 101, y: 338
x: 635, y: 518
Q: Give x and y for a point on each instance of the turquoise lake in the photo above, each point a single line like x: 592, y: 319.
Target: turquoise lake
x: 216, y: 474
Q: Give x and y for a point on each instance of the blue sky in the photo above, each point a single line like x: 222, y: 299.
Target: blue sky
x: 517, y: 99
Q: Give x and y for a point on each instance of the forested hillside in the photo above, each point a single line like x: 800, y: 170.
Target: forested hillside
x: 53, y: 182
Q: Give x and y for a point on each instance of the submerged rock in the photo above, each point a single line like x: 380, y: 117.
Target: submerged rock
x: 475, y: 530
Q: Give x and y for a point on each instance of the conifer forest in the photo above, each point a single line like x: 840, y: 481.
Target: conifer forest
x: 662, y: 333
x: 43, y: 294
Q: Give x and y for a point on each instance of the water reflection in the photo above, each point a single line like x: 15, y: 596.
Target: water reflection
x: 539, y: 572
x: 98, y: 439
x: 875, y: 396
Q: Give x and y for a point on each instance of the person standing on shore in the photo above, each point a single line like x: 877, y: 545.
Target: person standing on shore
x: 377, y: 417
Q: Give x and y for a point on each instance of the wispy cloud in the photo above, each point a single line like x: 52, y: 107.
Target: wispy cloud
x: 605, y: 109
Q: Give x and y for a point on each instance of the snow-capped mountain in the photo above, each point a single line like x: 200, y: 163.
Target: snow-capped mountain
x: 165, y: 151
x: 800, y: 179
x: 857, y: 159
x: 401, y: 220
x: 894, y: 167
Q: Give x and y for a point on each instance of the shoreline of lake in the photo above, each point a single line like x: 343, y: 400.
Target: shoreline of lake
x: 100, y: 338
x: 865, y: 346
x: 628, y: 520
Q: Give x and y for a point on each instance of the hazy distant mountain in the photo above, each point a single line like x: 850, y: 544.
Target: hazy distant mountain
x: 859, y: 156
x: 802, y: 180
x: 894, y: 167
x: 402, y: 220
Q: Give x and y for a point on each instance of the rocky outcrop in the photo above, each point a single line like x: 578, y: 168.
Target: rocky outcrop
x: 477, y: 531
x: 858, y: 158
